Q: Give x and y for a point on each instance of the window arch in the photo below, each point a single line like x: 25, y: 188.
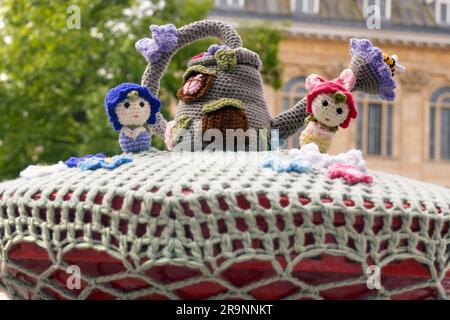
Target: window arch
x: 293, y: 91
x: 439, y: 139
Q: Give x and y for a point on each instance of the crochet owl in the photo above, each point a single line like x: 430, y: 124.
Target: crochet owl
x: 330, y: 105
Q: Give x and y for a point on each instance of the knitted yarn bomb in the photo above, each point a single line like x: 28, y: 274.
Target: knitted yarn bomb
x: 330, y: 105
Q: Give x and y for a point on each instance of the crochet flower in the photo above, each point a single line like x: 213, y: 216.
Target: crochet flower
x: 42, y: 171
x: 72, y: 162
x: 198, y: 56
x: 363, y: 50
x: 350, y: 173
x: 168, y: 136
x: 311, y: 153
x: 286, y: 165
x: 214, y: 48
x: 164, y: 40
x: 211, y: 51
x: 95, y: 163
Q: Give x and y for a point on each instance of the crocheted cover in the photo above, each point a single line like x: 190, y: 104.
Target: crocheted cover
x: 216, y: 226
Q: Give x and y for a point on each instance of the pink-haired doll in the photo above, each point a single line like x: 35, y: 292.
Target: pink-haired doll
x: 330, y: 105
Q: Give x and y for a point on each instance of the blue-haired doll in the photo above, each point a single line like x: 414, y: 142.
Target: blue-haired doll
x: 131, y: 108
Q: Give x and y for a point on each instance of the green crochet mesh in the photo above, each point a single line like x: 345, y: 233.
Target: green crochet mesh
x: 207, y: 216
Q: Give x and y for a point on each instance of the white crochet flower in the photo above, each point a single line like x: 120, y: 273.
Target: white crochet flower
x: 35, y: 171
x: 311, y: 153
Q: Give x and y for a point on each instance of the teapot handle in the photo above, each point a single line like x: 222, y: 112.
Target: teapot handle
x: 187, y: 35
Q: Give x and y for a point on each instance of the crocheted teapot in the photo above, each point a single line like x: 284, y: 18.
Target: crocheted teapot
x: 221, y: 98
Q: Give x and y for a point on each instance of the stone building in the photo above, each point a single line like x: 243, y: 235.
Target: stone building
x: 409, y: 137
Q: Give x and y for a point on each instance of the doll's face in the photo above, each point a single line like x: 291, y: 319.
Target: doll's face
x: 328, y: 112
x: 133, y: 112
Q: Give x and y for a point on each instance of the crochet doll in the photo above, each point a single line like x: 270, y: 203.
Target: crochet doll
x: 131, y: 108
x: 330, y: 105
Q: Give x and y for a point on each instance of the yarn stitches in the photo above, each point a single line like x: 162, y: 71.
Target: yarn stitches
x: 212, y: 215
x: 366, y: 54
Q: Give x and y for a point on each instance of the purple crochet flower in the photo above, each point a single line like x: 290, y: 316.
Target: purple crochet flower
x: 95, y: 163
x: 164, y: 40
x: 73, y: 162
x: 214, y: 48
x: 374, y: 58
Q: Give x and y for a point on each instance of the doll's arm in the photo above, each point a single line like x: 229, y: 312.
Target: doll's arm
x: 290, y: 121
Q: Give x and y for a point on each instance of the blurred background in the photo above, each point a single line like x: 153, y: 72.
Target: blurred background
x: 53, y: 78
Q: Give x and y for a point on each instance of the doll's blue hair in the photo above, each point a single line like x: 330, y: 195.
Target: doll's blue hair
x: 118, y: 94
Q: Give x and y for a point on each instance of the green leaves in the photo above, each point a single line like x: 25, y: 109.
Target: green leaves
x: 265, y: 40
x: 51, y: 105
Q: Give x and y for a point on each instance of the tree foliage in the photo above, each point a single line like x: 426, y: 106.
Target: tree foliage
x: 53, y: 79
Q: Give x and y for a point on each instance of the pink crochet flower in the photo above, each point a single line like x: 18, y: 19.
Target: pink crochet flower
x: 168, y: 136
x: 200, y: 55
x: 350, y: 173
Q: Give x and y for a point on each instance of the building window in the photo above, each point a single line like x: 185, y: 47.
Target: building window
x: 235, y: 4
x: 374, y: 134
x: 293, y: 92
x: 385, y: 7
x: 439, y: 136
x: 443, y: 11
x: 305, y: 6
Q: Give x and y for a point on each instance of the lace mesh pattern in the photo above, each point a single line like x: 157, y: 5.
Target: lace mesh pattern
x: 196, y: 226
